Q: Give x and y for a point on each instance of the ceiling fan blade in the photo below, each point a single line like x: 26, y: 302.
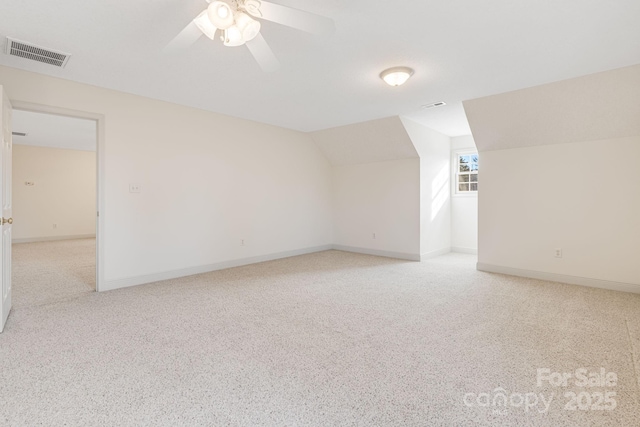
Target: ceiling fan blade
x: 298, y: 19
x: 263, y: 54
x: 188, y: 36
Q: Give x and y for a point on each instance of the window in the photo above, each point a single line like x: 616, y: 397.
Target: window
x: 467, y: 173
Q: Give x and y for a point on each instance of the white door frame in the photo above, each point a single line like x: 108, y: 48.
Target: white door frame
x: 100, y: 181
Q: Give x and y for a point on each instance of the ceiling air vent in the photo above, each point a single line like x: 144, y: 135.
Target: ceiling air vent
x: 18, y: 133
x: 36, y: 53
x: 435, y: 104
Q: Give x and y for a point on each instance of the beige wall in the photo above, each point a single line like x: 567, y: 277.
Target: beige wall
x: 557, y: 171
x: 209, y: 181
x: 464, y: 207
x: 435, y: 200
x: 579, y: 197
x: 404, y: 200
x: 64, y: 193
x: 381, y: 198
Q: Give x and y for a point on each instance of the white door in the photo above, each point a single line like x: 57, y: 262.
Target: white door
x: 7, y: 220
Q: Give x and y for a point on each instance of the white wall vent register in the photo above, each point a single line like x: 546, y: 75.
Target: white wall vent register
x: 36, y: 53
x: 434, y: 105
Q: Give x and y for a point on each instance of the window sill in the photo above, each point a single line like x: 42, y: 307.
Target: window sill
x: 466, y: 195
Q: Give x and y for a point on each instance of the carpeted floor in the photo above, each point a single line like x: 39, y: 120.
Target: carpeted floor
x: 327, y: 339
x: 47, y: 272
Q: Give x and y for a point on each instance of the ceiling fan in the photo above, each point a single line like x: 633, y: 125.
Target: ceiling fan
x: 237, y: 23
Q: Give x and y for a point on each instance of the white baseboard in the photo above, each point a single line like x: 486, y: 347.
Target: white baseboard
x: 553, y: 277
x: 367, y: 251
x: 53, y: 238
x: 433, y: 254
x: 109, y: 285
x: 460, y: 250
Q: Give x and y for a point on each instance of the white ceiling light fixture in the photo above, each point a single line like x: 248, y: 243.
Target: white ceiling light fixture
x: 396, y: 76
x: 220, y: 14
x: 249, y: 28
x: 204, y: 24
x: 235, y: 20
x: 233, y: 37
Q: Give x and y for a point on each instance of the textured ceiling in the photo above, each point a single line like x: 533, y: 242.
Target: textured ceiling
x: 599, y: 106
x: 460, y: 49
x: 366, y: 142
x: 48, y: 130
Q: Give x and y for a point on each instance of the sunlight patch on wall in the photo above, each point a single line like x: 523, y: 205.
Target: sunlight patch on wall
x: 440, y: 192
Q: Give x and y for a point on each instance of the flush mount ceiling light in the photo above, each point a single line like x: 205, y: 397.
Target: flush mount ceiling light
x: 396, y: 76
x: 236, y: 23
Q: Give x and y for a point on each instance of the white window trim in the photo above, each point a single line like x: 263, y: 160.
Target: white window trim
x: 454, y: 172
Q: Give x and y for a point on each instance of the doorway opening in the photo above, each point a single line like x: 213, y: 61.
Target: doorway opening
x: 55, y: 192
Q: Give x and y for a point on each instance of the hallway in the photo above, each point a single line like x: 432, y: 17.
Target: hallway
x: 48, y: 272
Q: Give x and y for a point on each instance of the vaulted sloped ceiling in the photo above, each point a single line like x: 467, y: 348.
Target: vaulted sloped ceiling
x: 594, y: 107
x: 461, y: 49
x: 367, y: 142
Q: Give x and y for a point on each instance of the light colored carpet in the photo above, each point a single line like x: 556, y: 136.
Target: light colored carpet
x: 327, y: 339
x: 45, y: 272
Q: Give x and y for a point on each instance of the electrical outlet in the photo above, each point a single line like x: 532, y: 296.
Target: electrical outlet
x: 134, y: 188
x: 558, y: 253
x: 373, y: 236
x: 55, y: 225
x: 242, y: 242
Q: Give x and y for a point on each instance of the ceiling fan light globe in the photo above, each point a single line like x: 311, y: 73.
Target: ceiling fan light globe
x: 220, y: 14
x: 233, y: 37
x: 204, y: 24
x: 249, y: 28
